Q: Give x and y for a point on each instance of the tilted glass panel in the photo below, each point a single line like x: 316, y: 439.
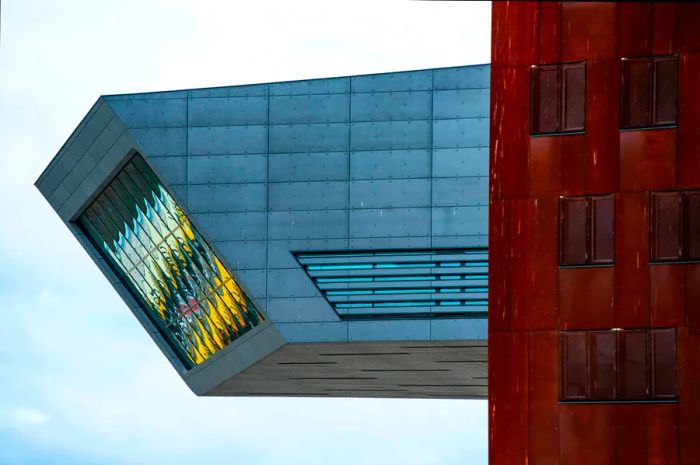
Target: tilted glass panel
x: 150, y: 243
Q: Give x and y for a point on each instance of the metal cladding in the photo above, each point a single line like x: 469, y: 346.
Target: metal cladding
x: 593, y: 328
x: 265, y: 174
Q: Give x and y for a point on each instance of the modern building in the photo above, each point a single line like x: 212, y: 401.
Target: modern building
x: 594, y: 239
x: 329, y: 237
x: 323, y: 237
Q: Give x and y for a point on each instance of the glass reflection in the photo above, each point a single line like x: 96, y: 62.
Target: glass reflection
x: 143, y: 233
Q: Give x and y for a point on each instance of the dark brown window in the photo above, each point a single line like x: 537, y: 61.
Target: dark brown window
x: 586, y: 230
x: 649, y: 91
x: 558, y: 101
x: 675, y: 226
x: 619, y: 365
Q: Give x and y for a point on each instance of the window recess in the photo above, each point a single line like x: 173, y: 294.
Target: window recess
x: 675, y: 226
x: 633, y: 365
x: 558, y: 98
x: 649, y: 92
x: 586, y: 230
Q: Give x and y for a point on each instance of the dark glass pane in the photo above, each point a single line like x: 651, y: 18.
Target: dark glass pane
x: 664, y: 376
x: 573, y: 231
x: 632, y: 365
x: 602, y: 229
x: 603, y: 370
x: 636, y: 82
x: 666, y: 225
x: 545, y: 90
x: 574, y: 97
x: 665, y: 89
x: 574, y: 365
x: 692, y: 225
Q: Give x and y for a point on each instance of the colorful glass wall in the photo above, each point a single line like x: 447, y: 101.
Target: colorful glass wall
x: 150, y: 243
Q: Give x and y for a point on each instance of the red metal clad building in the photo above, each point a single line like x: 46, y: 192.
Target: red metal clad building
x: 594, y: 305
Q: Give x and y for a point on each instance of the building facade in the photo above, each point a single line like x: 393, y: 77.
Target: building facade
x: 593, y: 239
x: 323, y: 237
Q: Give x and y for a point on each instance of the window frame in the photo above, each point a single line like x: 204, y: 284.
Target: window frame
x: 591, y: 232
x: 619, y: 367
x: 652, y: 93
x: 560, y: 99
x: 683, y: 234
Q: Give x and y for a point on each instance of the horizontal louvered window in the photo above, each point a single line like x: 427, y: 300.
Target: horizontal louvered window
x: 405, y: 283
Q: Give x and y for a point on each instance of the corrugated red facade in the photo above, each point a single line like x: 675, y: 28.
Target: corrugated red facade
x: 532, y: 299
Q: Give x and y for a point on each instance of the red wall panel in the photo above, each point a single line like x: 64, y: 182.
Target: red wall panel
x: 689, y: 387
x: 631, y: 433
x: 519, y: 19
x: 602, y: 120
x: 689, y: 121
x: 510, y: 88
x: 663, y: 28
x: 499, y: 265
x: 586, y: 297
x: 648, y: 160
x: 544, y: 398
x: 586, y: 433
x: 534, y: 264
x: 667, y: 295
x: 588, y: 30
x: 520, y: 224
x: 550, y: 32
x: 692, y: 296
x: 687, y: 20
x: 634, y: 28
x: 662, y: 434
x: 545, y: 165
x: 632, y: 260
x: 574, y: 161
x: 508, y: 398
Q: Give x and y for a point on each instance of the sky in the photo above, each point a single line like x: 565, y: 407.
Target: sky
x: 81, y: 383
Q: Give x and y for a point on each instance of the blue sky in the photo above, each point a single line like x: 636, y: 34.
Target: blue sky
x: 81, y: 382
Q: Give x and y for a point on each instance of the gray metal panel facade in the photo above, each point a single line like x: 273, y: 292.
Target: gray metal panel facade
x: 387, y: 161
x: 395, y: 160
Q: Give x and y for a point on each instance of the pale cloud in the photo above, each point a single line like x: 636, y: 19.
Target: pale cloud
x: 27, y: 418
x: 82, y: 382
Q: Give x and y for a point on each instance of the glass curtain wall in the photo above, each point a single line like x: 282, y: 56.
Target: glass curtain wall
x: 150, y: 243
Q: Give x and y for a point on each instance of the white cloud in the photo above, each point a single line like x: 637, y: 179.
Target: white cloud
x: 23, y: 418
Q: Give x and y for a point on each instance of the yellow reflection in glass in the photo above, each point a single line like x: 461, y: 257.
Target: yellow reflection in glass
x: 142, y: 231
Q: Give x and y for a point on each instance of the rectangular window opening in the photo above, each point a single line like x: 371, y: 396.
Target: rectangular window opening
x: 160, y: 256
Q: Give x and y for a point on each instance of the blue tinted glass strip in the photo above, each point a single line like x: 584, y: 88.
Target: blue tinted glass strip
x: 344, y: 292
x: 403, y: 278
x: 344, y: 280
x: 354, y: 305
x: 404, y: 304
